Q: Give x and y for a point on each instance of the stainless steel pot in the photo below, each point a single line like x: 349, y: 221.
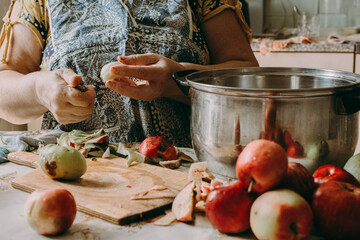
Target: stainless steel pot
x: 318, y: 108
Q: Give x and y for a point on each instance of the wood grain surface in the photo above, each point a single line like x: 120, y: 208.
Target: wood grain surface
x: 108, y: 186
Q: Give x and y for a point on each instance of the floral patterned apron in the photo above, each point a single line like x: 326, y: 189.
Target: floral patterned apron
x: 88, y: 34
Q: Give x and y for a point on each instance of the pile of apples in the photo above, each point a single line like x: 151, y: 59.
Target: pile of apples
x: 278, y: 199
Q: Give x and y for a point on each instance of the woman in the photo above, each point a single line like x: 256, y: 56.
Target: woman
x: 50, y: 48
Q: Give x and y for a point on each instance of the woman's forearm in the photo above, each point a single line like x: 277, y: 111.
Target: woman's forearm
x: 18, y: 101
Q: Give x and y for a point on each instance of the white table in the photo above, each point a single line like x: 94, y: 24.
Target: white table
x: 13, y: 225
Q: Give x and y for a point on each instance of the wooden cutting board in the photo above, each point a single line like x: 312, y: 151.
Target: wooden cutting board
x: 108, y: 186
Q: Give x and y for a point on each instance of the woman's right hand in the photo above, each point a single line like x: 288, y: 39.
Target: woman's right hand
x: 27, y: 93
x: 58, y: 92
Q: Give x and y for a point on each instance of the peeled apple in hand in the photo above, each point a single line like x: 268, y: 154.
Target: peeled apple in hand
x: 261, y: 165
x: 106, y: 74
x: 158, y: 146
x: 50, y: 212
x: 60, y: 162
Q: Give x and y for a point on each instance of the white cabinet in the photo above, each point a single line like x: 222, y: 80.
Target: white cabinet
x: 336, y: 61
x: 357, y: 63
x: 357, y: 58
x: 357, y: 70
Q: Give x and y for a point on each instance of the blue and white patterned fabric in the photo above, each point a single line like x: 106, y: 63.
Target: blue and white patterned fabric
x: 88, y: 34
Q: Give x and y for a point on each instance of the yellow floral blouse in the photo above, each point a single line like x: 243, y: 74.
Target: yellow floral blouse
x: 34, y: 15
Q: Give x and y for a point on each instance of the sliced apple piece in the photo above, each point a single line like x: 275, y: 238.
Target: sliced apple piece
x: 171, y: 163
x: 200, y: 206
x: 183, y: 205
x: 166, y: 219
x: 196, y: 172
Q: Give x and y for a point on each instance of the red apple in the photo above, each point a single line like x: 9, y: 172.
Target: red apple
x: 228, y: 207
x: 262, y: 164
x: 275, y: 135
x: 50, y: 212
x: 281, y: 214
x: 288, y: 139
x: 295, y: 150
x: 299, y: 179
x: 336, y: 207
x: 330, y: 172
x: 154, y: 147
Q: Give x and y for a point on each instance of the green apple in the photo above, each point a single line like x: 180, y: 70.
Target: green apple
x: 317, y: 149
x: 353, y: 166
x: 59, y: 162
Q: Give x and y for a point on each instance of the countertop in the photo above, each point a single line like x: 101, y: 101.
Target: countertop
x: 318, y: 47
x: 13, y: 225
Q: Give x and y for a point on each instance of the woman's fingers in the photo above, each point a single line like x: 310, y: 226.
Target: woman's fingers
x: 71, y: 118
x: 79, y: 98
x: 63, y: 98
x: 142, y: 66
x: 153, y: 72
x: 68, y: 113
x: 69, y: 76
x: 141, y: 91
x: 149, y: 73
x: 139, y: 59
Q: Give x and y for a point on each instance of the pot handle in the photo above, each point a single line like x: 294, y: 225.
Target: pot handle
x: 348, y: 103
x: 179, y: 78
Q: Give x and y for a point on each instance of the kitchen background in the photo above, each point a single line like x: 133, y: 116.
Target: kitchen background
x: 271, y: 16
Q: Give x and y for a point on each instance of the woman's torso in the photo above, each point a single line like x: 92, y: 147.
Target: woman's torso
x: 85, y: 35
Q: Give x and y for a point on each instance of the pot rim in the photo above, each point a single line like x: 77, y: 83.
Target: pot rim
x: 347, y: 82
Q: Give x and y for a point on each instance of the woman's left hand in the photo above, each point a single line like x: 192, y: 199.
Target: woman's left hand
x: 154, y: 72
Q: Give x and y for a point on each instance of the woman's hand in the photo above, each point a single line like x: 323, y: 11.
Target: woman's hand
x: 27, y: 93
x: 59, y: 92
x: 154, y: 72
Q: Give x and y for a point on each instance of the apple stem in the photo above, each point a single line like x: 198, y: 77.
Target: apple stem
x: 250, y: 185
